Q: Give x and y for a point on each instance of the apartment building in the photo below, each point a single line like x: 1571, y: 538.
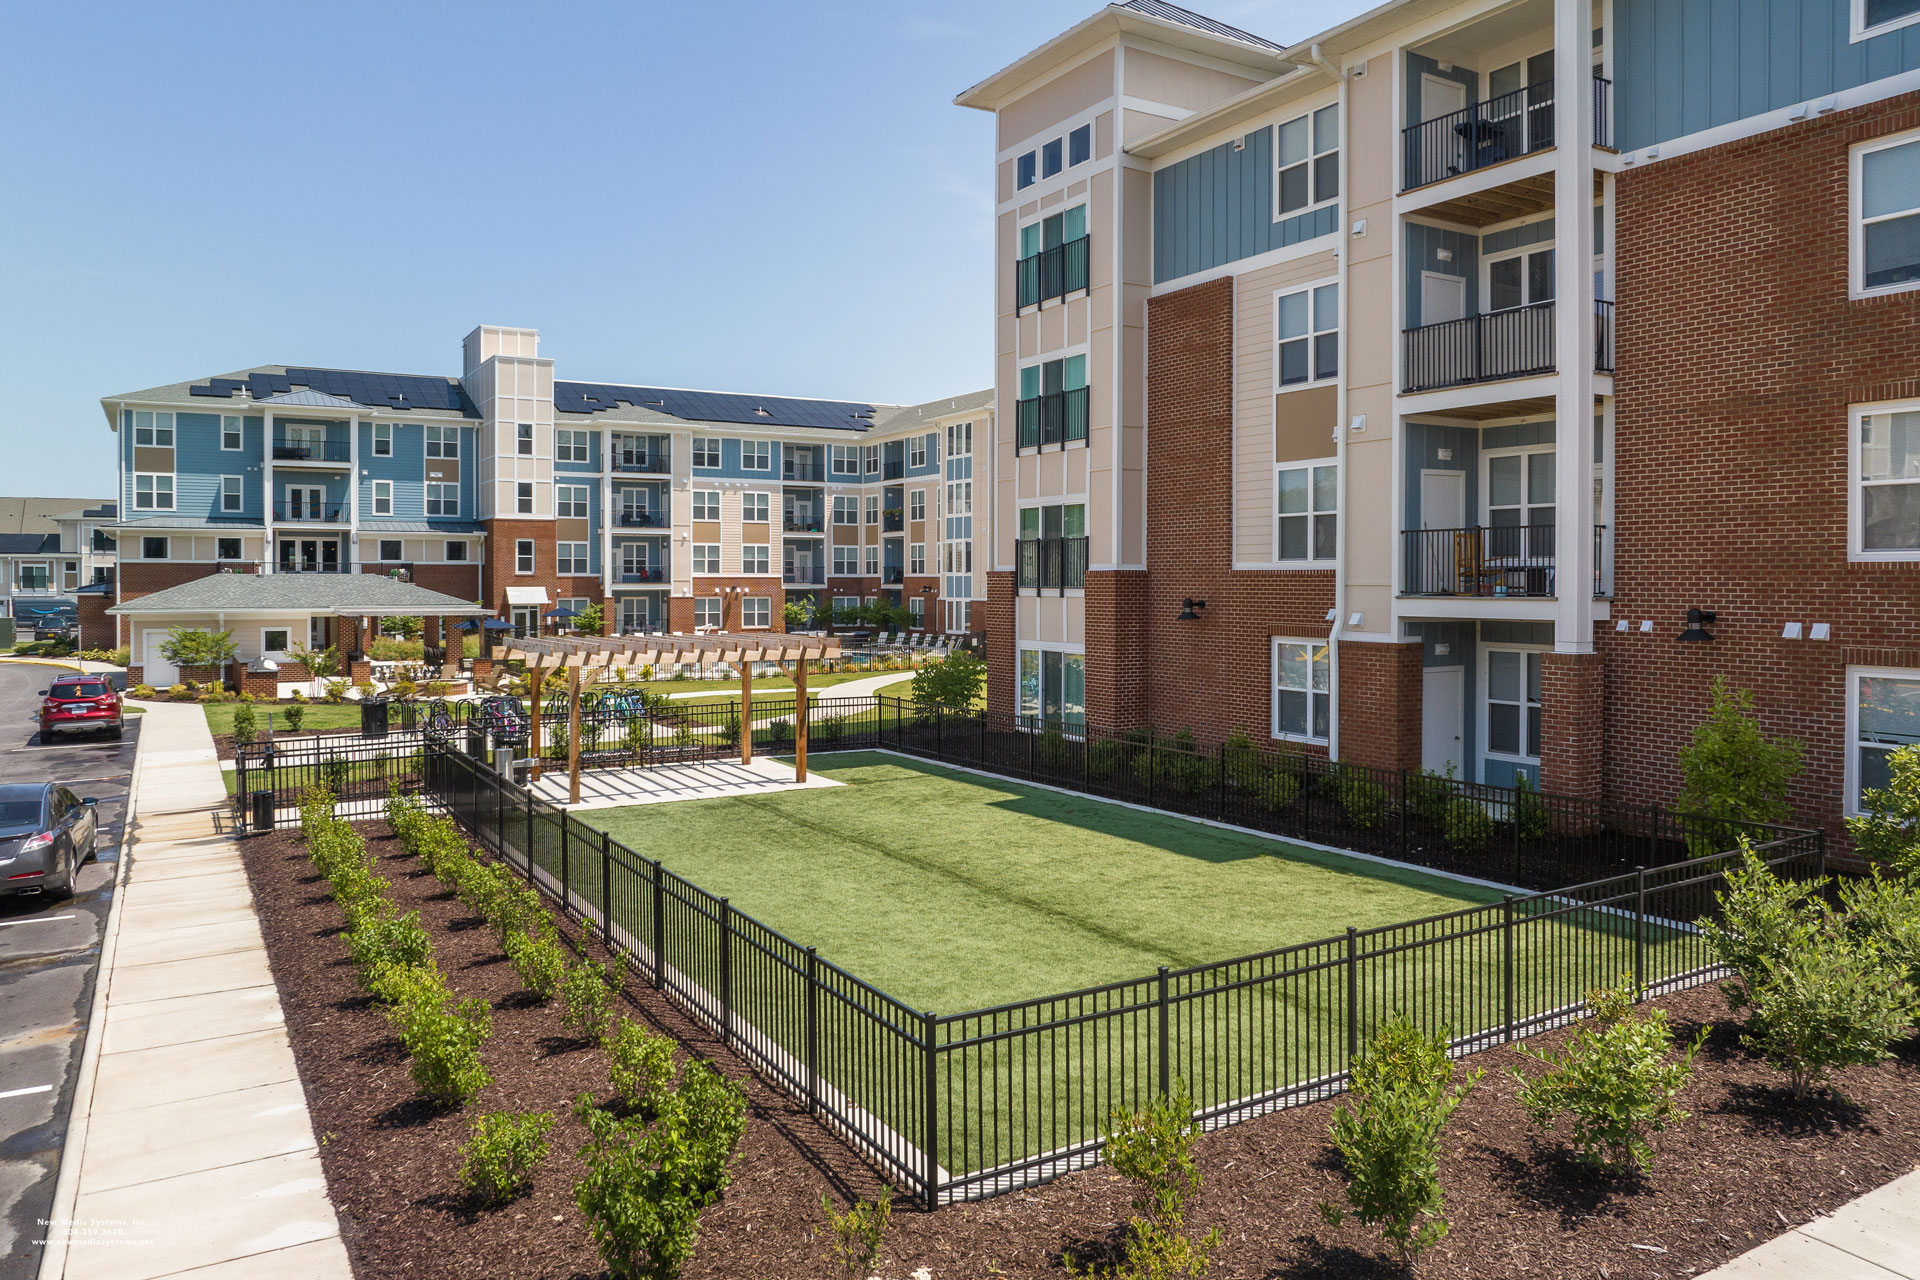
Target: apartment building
x: 1398, y: 392
x: 672, y: 509
x: 51, y: 548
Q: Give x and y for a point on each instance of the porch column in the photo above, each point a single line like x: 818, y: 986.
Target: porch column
x: 746, y: 709
x: 573, y: 735
x: 266, y: 511
x: 350, y: 557
x: 800, y: 718
x: 1573, y: 326
x: 533, y: 717
x: 1573, y: 724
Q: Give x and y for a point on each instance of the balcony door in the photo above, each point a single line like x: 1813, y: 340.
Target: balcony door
x: 635, y: 559
x: 306, y: 502
x: 1520, y: 517
x: 635, y: 506
x: 1442, y: 298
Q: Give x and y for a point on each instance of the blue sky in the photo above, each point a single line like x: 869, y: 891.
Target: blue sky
x: 766, y: 197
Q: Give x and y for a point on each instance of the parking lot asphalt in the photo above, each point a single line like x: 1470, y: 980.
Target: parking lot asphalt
x: 49, y: 958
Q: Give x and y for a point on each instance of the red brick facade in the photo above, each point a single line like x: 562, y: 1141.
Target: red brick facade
x: 996, y: 619
x: 680, y: 608
x: 1739, y: 354
x: 500, y: 569
x: 97, y: 630
x: 461, y: 581
x: 1573, y: 735
x: 1380, y: 694
x: 1118, y: 695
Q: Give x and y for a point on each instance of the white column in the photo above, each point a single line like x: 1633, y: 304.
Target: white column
x: 349, y: 554
x: 1574, y: 325
x: 266, y: 482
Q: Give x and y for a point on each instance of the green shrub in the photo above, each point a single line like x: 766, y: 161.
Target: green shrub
x: 587, y: 992
x: 445, y: 1043
x: 407, y: 989
x: 858, y: 1233
x: 482, y: 885
x: 1888, y: 830
x: 383, y: 938
x: 296, y: 715
x: 189, y: 647
x: 1616, y: 1079
x: 1733, y: 773
x: 1829, y: 1004
x: 953, y: 681
x: 1364, y: 801
x: 1248, y: 771
x: 640, y: 1065
x: 143, y: 692
x: 831, y: 729
x: 1530, y: 812
x: 1467, y: 825
x: 1884, y: 912
x: 1388, y: 1136
x: 503, y: 1149
x: 516, y: 907
x: 538, y: 962
x: 1153, y: 1149
x: 335, y: 774
x: 244, y: 727
x: 1762, y: 918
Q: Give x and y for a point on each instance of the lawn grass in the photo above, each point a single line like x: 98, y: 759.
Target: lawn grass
x: 320, y: 716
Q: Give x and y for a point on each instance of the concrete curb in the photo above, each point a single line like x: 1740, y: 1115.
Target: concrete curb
x: 66, y: 1187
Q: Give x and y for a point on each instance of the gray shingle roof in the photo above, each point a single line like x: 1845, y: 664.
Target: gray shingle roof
x: 1199, y: 22
x: 343, y: 593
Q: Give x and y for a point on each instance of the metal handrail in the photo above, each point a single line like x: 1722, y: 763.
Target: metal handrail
x: 1052, y: 564
x: 1052, y: 273
x: 1479, y: 136
x: 286, y: 449
x: 1052, y: 418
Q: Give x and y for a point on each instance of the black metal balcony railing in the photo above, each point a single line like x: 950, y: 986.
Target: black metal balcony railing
x: 1052, y: 273
x: 310, y: 512
x: 803, y: 472
x: 1603, y: 336
x: 634, y: 518
x: 1602, y: 112
x: 1053, y: 418
x: 1052, y: 564
x: 893, y: 575
x: 803, y: 522
x: 1502, y: 560
x: 641, y: 463
x: 892, y: 522
x: 642, y: 573
x: 804, y: 575
x: 1487, y: 133
x: 893, y: 470
x: 1515, y: 343
x: 286, y: 449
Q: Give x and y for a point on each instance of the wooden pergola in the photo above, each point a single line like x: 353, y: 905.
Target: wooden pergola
x: 549, y: 656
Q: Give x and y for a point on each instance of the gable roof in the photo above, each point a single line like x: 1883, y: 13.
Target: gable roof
x: 37, y: 515
x: 1199, y: 22
x: 28, y: 544
x: 346, y: 594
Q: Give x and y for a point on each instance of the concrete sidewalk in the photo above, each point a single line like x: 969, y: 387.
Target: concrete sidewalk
x: 1876, y: 1237
x: 190, y: 1147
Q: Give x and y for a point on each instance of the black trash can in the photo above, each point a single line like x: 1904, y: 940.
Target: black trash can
x: 262, y: 816
x: 373, y: 718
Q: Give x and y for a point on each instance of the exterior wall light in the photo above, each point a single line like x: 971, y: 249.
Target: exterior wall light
x: 1697, y: 623
x: 1189, y: 610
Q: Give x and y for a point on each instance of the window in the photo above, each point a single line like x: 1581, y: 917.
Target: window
x: 573, y: 559
x: 756, y: 611
x: 1051, y: 233
x: 873, y: 508
x: 873, y: 562
x: 1520, y: 494
x: 1519, y: 279
x: 1053, y: 687
x: 1307, y: 503
x: 153, y: 548
x: 1513, y: 704
x: 1883, y: 714
x: 152, y: 492
x: 1885, y: 239
x: 443, y: 499
x: 1877, y: 17
x: 841, y: 604
x: 523, y: 556
x: 959, y: 440
x: 1053, y: 403
x: 917, y: 559
x: 872, y: 453
x: 523, y: 498
x: 1885, y: 503
x: 706, y: 504
x: 1306, y: 152
x: 570, y: 446
x: 1053, y: 157
x: 1302, y: 696
x: 846, y: 562
x: 756, y: 455
x: 383, y: 497
x: 960, y: 498
x: 1308, y: 326
x: 32, y: 577
x: 226, y: 548
x: 917, y: 451
x: 846, y: 509
x: 753, y: 508
x: 1026, y: 169
x: 570, y: 501
x: 917, y: 504
x: 755, y: 557
x: 153, y: 429
x: 230, y: 431
x: 1080, y: 145
x: 706, y: 612
x: 443, y: 442
x: 454, y: 552
x: 390, y: 548
x: 706, y: 452
x: 275, y: 640
x: 230, y: 494
x: 706, y: 557
x: 917, y: 606
x: 383, y: 439
x: 523, y: 440
x: 846, y: 459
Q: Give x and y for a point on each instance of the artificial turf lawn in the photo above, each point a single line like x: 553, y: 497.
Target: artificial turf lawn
x: 952, y: 892
x: 320, y: 716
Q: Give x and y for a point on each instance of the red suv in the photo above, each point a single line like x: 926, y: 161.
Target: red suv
x: 79, y: 702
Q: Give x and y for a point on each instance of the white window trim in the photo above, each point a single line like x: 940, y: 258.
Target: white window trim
x: 1484, y: 517
x: 1856, y: 507
x: 756, y: 626
x: 696, y: 504
x: 1273, y: 153
x: 266, y: 652
x: 1339, y: 331
x: 1485, y: 700
x: 1522, y: 252
x: 382, y: 490
x: 173, y: 494
x: 1850, y: 745
x: 718, y: 557
x: 560, y: 559
x: 709, y: 604
x: 166, y: 544
x: 444, y: 514
x: 771, y: 452
x: 584, y: 494
x: 529, y: 439
x: 1273, y: 689
x: 1048, y: 646
x: 1857, y: 29
x: 694, y: 453
x: 448, y: 543
x: 575, y: 440
x: 530, y: 558
x: 447, y: 438
x: 1856, y: 230
x: 1309, y: 562
x: 765, y: 499
x: 232, y: 448
x: 240, y: 493
x: 378, y: 452
x: 523, y: 491
x: 379, y: 547
x: 766, y: 548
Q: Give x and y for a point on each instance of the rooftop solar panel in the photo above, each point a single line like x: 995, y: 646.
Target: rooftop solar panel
x: 375, y: 390
x: 714, y: 406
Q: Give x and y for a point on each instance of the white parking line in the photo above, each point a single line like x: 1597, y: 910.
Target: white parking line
x: 20, y: 1093
x: 33, y: 920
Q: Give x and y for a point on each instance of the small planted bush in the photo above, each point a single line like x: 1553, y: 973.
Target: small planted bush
x: 1467, y: 825
x: 538, y: 962
x: 445, y: 1043
x: 1153, y: 1149
x: 857, y: 1234
x: 244, y: 727
x: 1388, y: 1135
x: 1617, y: 1081
x: 296, y: 715
x: 640, y: 1065
x: 1362, y: 799
x: 587, y: 992
x: 383, y: 939
x: 1530, y: 810
x: 503, y: 1149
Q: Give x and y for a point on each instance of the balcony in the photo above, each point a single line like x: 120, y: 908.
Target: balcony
x: 1488, y: 133
x: 645, y: 464
x: 637, y: 574
x: 302, y: 449
x: 893, y: 575
x: 803, y: 522
x: 1052, y: 418
x: 804, y: 575
x: 1052, y: 564
x: 308, y: 565
x: 310, y: 513
x: 1051, y: 273
x: 803, y: 472
x: 892, y: 520
x: 1515, y: 343
x: 633, y: 518
x: 1503, y: 561
x: 893, y: 470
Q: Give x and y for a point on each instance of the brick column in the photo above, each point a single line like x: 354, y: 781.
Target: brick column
x: 1116, y: 649
x: 996, y: 621
x: 1380, y: 697
x: 1572, y: 723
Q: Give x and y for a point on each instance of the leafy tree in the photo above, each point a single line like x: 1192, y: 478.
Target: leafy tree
x: 1733, y: 772
x: 188, y: 647
x: 591, y: 620
x: 403, y: 627
x: 798, y: 614
x: 953, y: 681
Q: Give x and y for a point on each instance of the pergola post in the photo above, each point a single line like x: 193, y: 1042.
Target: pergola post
x: 801, y: 715
x: 533, y: 716
x: 573, y: 737
x: 746, y: 710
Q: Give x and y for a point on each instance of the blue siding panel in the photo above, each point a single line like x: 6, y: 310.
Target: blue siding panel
x: 1217, y: 207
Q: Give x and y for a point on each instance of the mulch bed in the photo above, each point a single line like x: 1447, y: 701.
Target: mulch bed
x: 1748, y: 1164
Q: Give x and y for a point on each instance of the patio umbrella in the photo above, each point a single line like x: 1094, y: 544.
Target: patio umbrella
x: 564, y: 612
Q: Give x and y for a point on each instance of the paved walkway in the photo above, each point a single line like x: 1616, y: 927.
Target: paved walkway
x: 1876, y: 1237
x: 190, y: 1147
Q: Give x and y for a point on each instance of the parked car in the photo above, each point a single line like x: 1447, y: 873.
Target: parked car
x: 80, y: 702
x: 46, y: 834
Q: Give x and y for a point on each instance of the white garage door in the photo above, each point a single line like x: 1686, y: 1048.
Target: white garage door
x: 159, y: 672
